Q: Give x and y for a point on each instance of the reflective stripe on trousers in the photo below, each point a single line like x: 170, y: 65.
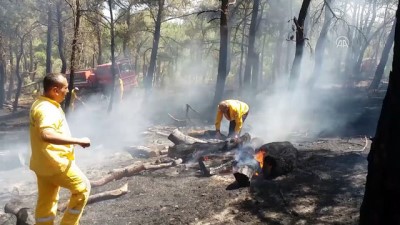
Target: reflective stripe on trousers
x: 44, y: 219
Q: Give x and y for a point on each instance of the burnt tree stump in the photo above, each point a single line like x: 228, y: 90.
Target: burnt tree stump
x: 280, y: 159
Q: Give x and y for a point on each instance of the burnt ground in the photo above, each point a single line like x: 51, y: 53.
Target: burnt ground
x: 326, y: 187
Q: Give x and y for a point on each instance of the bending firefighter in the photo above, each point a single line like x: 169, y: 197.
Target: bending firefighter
x: 52, y: 157
x: 236, y: 112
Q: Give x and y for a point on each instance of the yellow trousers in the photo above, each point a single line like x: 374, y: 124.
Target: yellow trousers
x: 48, y: 195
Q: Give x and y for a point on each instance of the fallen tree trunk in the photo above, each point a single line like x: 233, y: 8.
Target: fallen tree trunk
x: 100, y: 196
x: 205, y: 134
x: 144, y: 152
x: 130, y: 171
x: 178, y: 137
x: 24, y: 215
x: 196, y: 150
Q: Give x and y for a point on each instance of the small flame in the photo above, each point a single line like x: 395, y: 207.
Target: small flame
x: 260, y: 157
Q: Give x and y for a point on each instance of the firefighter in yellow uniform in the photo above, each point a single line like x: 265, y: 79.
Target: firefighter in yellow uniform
x: 35, y: 94
x: 236, y: 112
x: 121, y: 89
x: 74, y: 97
x: 52, y: 157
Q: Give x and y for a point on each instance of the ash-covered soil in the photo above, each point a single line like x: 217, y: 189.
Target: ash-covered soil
x: 326, y: 188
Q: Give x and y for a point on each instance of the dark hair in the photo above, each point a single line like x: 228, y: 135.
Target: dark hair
x: 51, y: 80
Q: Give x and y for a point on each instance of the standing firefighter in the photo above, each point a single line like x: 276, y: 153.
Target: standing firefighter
x: 120, y: 89
x: 236, y: 112
x: 52, y: 157
x: 74, y: 98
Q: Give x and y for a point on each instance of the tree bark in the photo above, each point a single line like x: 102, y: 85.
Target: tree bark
x: 295, y: 72
x: 127, y: 35
x: 382, y: 189
x: 73, y: 53
x: 223, y: 53
x: 240, y: 70
x: 99, y: 37
x: 384, y: 57
x: 113, y: 64
x: 17, y: 72
x: 61, y: 38
x: 320, y: 46
x: 11, y: 77
x: 251, y: 55
x: 154, y: 50
x: 2, y: 73
x: 49, y: 37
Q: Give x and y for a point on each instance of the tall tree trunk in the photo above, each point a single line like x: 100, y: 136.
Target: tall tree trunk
x: 2, y: 73
x: 295, y: 72
x: 11, y: 78
x: 361, y: 52
x: 320, y: 46
x: 73, y: 53
x: 113, y: 64
x: 357, y: 66
x: 223, y: 53
x: 19, y: 54
x: 31, y: 59
x: 61, y: 37
x: 251, y: 55
x: 240, y: 71
x: 127, y: 36
x: 384, y: 57
x: 382, y: 190
x: 49, y: 37
x: 154, y: 50
x: 256, y: 72
x: 276, y: 63
x: 98, y: 37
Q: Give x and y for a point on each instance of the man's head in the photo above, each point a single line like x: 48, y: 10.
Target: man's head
x: 55, y: 86
x: 223, y: 107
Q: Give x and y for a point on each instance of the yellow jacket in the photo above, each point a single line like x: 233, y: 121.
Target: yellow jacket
x: 48, y: 159
x: 236, y: 111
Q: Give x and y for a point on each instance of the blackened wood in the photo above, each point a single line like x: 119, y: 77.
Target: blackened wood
x: 24, y: 215
x: 196, y: 150
x: 282, y: 156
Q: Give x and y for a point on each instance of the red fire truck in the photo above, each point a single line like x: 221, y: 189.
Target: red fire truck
x: 100, y: 79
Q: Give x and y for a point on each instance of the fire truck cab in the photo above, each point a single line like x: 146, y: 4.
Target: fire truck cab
x: 124, y: 71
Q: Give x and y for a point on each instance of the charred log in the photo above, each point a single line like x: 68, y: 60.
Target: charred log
x: 24, y: 215
x: 196, y: 150
x: 245, y: 166
x: 205, y: 134
x: 243, y: 175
